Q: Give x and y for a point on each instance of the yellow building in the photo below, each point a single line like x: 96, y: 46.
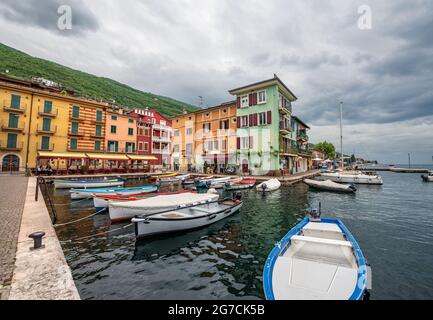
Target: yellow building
x: 35, y: 117
x: 206, y: 139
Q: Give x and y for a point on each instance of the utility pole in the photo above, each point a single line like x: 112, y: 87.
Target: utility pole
x: 409, y: 159
x: 341, y: 134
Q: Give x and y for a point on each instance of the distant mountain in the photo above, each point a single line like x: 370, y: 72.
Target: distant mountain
x: 87, y: 85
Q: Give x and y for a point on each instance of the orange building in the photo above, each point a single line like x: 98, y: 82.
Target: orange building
x: 206, y: 139
x: 121, y: 132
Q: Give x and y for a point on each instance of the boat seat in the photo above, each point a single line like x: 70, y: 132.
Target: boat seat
x: 322, y: 241
x: 323, y: 230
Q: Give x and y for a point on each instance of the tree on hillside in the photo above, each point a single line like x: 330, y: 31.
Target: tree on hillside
x: 326, y: 148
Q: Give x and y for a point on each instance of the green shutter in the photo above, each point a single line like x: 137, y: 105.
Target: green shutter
x: 74, y: 128
x: 98, y: 115
x: 13, y: 121
x: 97, y: 145
x: 98, y: 130
x: 46, y: 124
x: 48, y: 106
x: 16, y: 101
x: 131, y: 131
x: 75, y: 111
x: 113, y: 129
x: 73, y: 144
x: 12, y: 140
x: 45, y: 143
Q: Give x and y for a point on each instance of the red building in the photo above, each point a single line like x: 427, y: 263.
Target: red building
x: 154, y: 133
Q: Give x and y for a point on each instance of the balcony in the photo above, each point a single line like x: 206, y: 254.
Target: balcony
x: 285, y: 128
x: 49, y: 131
x: 8, y: 108
x: 40, y: 147
x: 79, y: 118
x: 161, y: 151
x: 98, y: 121
x: 10, y: 147
x: 50, y: 114
x: 7, y: 127
x: 162, y: 127
x: 302, y: 136
x: 76, y: 134
x: 161, y: 139
x: 97, y: 136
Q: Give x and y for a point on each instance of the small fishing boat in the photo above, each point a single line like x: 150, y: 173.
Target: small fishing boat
x: 88, y: 193
x: 329, y: 185
x: 172, y: 179
x: 191, y: 181
x: 163, y: 175
x: 100, y: 201
x: 126, y: 210
x: 241, y: 185
x: 356, y: 177
x: 216, y: 183
x: 318, y: 259
x: 182, y: 218
x: 84, y: 184
x: 270, y: 185
x: 428, y: 177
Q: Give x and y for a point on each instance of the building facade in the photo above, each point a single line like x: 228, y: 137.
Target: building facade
x: 121, y: 132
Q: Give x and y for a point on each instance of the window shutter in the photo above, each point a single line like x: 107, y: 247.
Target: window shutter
x: 239, y: 143
x: 269, y: 116
x: 255, y: 98
x: 256, y: 122
x: 251, y: 99
x: 238, y: 122
x: 251, y: 143
x: 251, y: 120
x: 238, y: 102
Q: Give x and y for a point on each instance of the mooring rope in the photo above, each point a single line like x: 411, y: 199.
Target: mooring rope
x: 78, y: 220
x: 97, y: 234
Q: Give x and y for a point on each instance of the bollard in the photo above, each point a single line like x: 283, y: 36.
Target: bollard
x: 37, y: 240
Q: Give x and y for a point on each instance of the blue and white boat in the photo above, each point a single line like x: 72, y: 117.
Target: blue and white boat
x: 95, y: 183
x: 318, y: 259
x: 89, y: 193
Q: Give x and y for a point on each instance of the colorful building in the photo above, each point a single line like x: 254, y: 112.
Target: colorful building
x: 205, y: 141
x: 300, y: 144
x: 121, y: 132
x: 264, y: 126
x: 154, y: 136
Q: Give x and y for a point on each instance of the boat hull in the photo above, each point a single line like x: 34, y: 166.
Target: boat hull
x: 348, y: 178
x: 271, y: 185
x: 427, y: 178
x: 154, y: 226
x: 87, y: 185
x: 87, y: 194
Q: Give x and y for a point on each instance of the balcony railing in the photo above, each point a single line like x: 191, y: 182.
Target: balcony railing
x: 97, y: 136
x: 7, y: 127
x: 161, y: 139
x: 302, y: 136
x: 162, y: 127
x: 285, y: 127
x: 4, y: 146
x: 76, y: 134
x: 50, y: 130
x: 8, y: 108
x: 161, y: 151
x: 50, y: 114
x: 41, y: 147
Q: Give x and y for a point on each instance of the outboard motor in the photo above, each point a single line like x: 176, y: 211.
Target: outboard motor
x: 237, y: 196
x: 264, y: 187
x: 208, y: 184
x: 316, y: 213
x: 352, y: 186
x: 227, y: 184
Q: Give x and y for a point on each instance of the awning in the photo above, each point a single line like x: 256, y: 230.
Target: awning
x: 112, y: 157
x: 61, y: 155
x: 143, y: 158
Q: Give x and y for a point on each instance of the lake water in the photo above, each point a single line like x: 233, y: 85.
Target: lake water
x: 392, y: 223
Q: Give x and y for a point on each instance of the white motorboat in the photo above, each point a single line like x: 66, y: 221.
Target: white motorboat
x: 356, y: 177
x: 329, y: 185
x: 85, y: 184
x: 270, y: 185
x: 185, y: 217
x: 318, y: 259
x: 89, y: 193
x: 179, y: 178
x: 428, y: 177
x: 217, y: 183
x: 126, y: 210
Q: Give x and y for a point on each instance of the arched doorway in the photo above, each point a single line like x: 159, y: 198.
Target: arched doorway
x: 245, y: 168
x: 10, y: 163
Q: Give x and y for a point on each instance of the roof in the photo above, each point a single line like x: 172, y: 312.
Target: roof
x: 222, y: 105
x: 260, y: 84
x: 300, y: 121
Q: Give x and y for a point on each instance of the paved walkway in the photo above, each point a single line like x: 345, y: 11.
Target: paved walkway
x: 12, y: 197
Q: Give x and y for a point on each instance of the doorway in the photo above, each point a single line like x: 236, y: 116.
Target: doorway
x: 11, y: 163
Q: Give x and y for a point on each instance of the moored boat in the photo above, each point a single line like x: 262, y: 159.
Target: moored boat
x: 191, y: 181
x: 355, y: 177
x: 270, y: 185
x: 216, y: 183
x: 318, y: 259
x: 172, y: 179
x: 163, y: 175
x: 185, y: 217
x: 100, y: 201
x: 329, y: 185
x: 88, y: 193
x: 428, y: 177
x: 126, y: 210
x: 240, y: 185
x: 84, y: 184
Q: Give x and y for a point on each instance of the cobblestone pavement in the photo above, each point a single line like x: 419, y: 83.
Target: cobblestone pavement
x: 12, y: 196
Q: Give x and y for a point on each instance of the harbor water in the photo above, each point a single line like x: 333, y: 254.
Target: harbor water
x: 392, y: 223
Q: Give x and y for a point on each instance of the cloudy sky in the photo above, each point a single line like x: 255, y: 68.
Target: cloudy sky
x: 190, y: 48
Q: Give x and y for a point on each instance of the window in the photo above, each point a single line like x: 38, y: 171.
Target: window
x: 113, y: 146
x: 223, y: 145
x: 73, y: 145
x: 114, y: 118
x: 261, y: 97
x: 189, y: 131
x: 98, y: 131
x: 163, y: 123
x: 113, y: 129
x: 131, y: 120
x: 206, y: 127
x: 147, y: 132
x: 176, y: 148
x: 146, y: 146
x: 224, y: 124
x: 46, y: 124
x: 15, y: 101
x: 140, y: 146
x: 130, y: 147
x: 244, y: 121
x: 246, y: 143
x: 75, y: 112
x: 45, y: 143
x: 189, y: 149
x: 98, y: 115
x: 130, y: 131
x: 48, y: 106
x: 263, y: 119
x: 13, y: 120
x: 176, y: 133
x: 97, y: 145
x: 74, y: 127
x: 12, y: 140
x: 244, y: 101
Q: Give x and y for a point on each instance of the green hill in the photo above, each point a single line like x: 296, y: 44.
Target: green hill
x: 22, y: 65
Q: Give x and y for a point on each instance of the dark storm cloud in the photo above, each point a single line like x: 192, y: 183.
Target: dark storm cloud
x: 44, y: 14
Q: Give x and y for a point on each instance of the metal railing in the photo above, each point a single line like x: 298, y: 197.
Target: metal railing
x: 6, y: 126
x: 40, y: 147
x: 44, y: 131
x: 7, y: 106
x: 48, y: 114
x: 9, y: 147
